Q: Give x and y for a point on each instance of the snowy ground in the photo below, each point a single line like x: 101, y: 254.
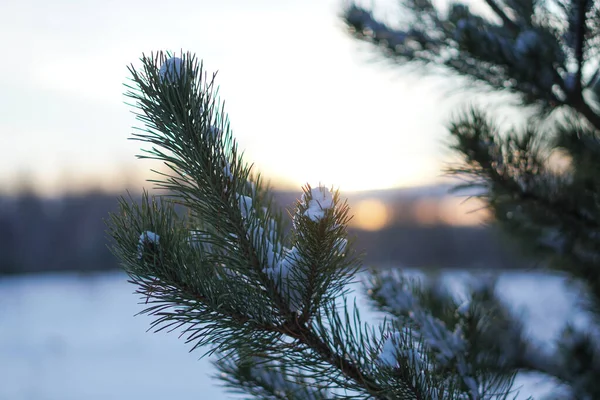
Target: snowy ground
x: 74, y: 337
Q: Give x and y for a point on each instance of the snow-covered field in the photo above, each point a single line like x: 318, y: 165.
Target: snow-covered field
x: 65, y: 336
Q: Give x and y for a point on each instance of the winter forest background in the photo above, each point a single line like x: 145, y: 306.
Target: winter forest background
x: 66, y: 325
x: 393, y: 227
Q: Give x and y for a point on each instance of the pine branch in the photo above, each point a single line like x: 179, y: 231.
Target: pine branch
x: 266, y: 379
x: 477, y: 339
x: 575, y: 364
x: 530, y: 200
x: 578, y: 27
x: 553, y: 212
x: 224, y: 274
x: 474, y: 48
x: 521, y: 61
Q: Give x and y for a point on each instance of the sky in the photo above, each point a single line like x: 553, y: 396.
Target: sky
x: 307, y: 103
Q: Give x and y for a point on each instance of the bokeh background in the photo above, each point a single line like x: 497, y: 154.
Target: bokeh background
x: 307, y: 104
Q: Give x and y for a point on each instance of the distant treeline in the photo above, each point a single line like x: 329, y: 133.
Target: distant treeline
x: 39, y: 234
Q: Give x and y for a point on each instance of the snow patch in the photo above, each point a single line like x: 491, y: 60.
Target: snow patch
x: 282, y: 273
x: 227, y: 172
x: 321, y: 200
x: 389, y: 353
x: 171, y: 69
x: 245, y: 205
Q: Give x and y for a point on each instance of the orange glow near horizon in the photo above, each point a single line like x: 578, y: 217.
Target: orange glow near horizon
x: 426, y: 211
x: 457, y: 211
x: 134, y: 175
x: 370, y: 214
x: 294, y: 112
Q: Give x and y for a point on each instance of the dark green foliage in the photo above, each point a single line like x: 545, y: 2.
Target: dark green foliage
x: 273, y: 307
x: 460, y: 332
x: 554, y: 211
x: 541, y: 182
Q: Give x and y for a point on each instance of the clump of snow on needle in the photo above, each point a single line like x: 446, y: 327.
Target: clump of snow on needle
x: 245, y: 205
x: 283, y: 273
x: 389, y: 353
x: 321, y: 201
x: 171, y: 69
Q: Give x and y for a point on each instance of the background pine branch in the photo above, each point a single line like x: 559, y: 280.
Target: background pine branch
x: 538, y: 181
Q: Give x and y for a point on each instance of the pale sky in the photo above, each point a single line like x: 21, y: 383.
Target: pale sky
x: 304, y: 100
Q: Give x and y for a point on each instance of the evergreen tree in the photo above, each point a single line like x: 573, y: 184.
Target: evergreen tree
x: 541, y: 181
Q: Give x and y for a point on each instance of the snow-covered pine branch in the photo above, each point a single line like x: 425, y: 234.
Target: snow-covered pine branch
x: 272, y: 306
x: 210, y: 257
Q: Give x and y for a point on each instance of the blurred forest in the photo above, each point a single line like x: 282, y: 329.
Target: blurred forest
x: 40, y: 234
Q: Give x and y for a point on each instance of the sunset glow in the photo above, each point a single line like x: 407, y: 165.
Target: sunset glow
x: 315, y: 110
x: 370, y: 215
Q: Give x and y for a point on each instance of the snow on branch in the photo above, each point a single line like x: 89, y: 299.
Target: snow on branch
x: 317, y: 204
